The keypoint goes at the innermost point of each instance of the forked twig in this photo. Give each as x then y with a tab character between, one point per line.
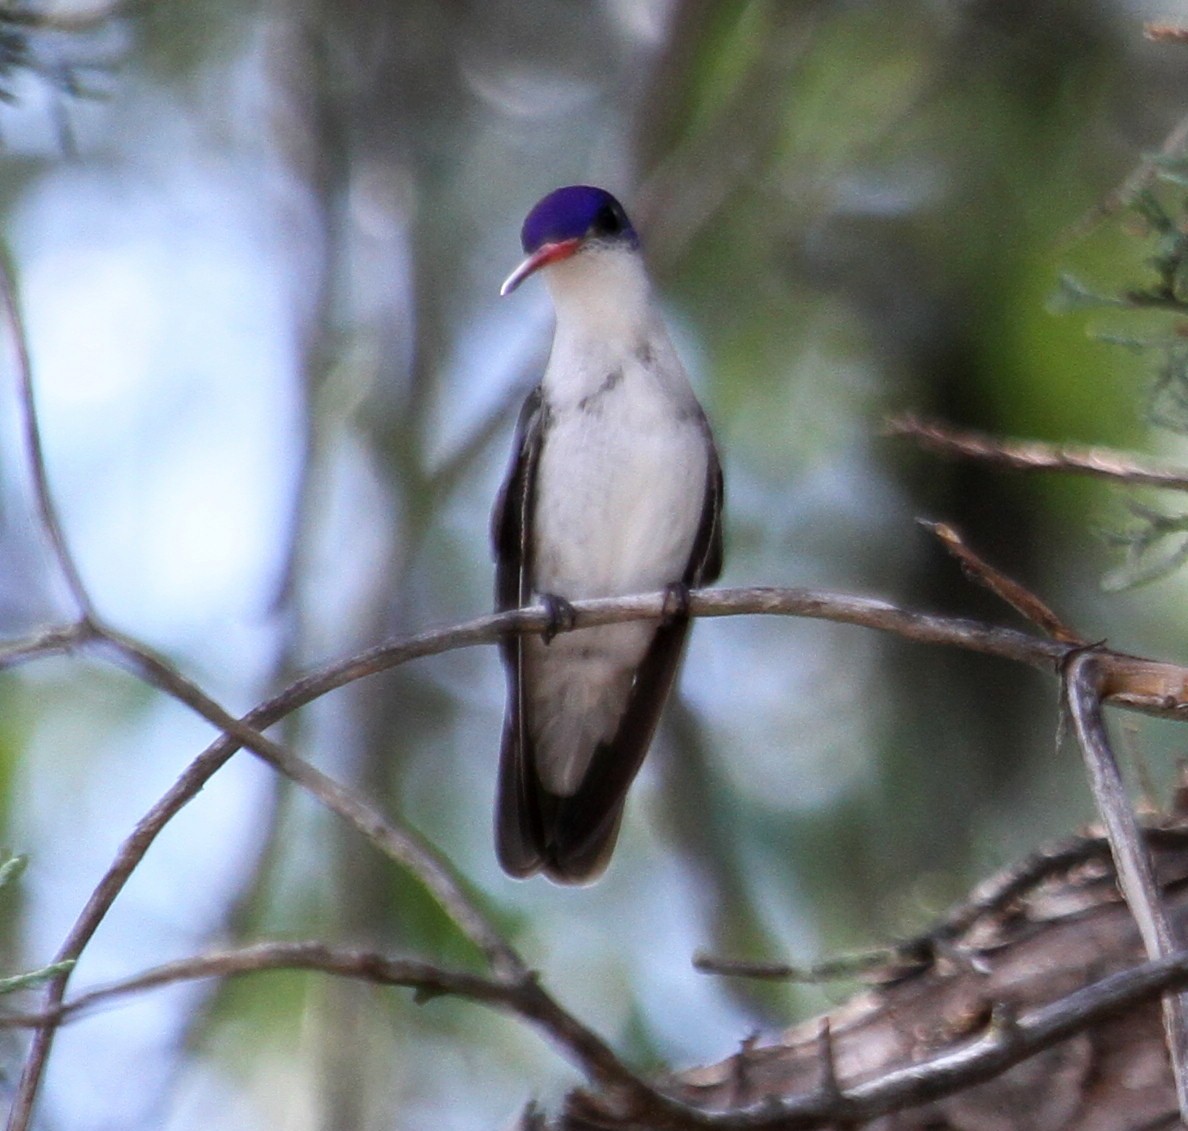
398	843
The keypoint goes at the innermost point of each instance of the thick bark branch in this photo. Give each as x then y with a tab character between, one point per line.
1029	1008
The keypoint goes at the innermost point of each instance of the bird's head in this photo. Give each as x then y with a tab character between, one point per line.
566	222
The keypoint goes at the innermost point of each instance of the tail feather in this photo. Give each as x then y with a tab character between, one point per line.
570	838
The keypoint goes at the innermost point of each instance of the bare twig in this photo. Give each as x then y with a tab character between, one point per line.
45	643
980	1060
47	511
1034	455
830	970
828	1089
50	641
1000	1046
520	995
1021	599
1083	688
369	966
993	896
1139	684
1166	33
400	844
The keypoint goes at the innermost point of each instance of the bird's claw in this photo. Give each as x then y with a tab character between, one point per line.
676	602
561	616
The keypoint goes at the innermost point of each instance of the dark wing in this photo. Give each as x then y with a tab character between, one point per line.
581	830
511	518
577	834
517	821
705	562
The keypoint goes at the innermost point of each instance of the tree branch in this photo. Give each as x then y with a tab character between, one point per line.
47	511
1132	862
520	995
1049	961
1139	684
400	844
1001	1047
1021	599
1004	1042
1034	455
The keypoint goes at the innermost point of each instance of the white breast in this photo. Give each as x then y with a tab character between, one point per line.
620	485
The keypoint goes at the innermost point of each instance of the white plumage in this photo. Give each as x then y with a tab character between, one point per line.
619	495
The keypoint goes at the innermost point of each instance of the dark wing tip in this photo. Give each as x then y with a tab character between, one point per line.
571	839
583	863
534	830
517	825
515	857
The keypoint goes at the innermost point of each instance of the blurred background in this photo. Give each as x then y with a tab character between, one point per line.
259	248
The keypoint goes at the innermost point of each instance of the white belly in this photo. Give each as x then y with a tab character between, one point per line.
619	495
620	487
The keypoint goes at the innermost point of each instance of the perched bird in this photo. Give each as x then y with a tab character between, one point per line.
614	488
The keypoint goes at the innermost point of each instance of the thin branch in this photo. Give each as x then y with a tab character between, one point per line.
521	996
1034	455
50	641
1021	599
1083	685
992	896
1000	1047
834	969
399	844
1129	681
369	966
47	511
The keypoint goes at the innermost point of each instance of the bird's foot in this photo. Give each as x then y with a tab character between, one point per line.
676	603
561	616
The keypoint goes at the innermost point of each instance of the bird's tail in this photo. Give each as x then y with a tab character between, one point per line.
570	838
538	831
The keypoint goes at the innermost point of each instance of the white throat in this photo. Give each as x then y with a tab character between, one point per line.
602	292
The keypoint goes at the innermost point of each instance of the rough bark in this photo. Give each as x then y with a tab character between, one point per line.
1025	939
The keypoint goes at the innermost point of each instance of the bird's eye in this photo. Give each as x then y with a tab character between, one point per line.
608	222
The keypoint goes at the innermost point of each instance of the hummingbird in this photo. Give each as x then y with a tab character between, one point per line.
614	487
